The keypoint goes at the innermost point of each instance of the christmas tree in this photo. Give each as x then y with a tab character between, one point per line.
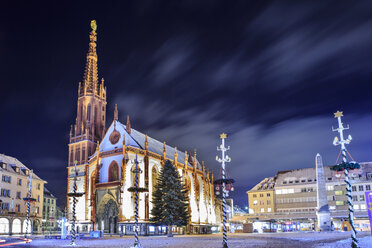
170	201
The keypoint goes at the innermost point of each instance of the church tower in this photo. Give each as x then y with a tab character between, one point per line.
91	109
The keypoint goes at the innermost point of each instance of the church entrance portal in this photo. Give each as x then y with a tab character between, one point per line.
107	217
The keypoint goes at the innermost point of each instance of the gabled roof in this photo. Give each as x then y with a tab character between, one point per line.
137	139
13	163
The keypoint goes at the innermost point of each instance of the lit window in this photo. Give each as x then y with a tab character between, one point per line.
278	191
356	206
330	187
363	206
255	202
285	191
262	210
339	192
290	191
332	207
339	203
268	209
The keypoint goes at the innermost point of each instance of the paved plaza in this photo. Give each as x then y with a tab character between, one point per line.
287	240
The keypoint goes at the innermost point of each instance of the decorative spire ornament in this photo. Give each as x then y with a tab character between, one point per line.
224	159
116	115
127	126
346	167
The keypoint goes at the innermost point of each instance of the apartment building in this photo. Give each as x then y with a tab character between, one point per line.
14	185
295	200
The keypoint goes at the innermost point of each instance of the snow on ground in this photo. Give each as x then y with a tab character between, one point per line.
346	243
267	240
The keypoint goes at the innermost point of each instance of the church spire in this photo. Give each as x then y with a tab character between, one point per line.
116	115
90	81
127	126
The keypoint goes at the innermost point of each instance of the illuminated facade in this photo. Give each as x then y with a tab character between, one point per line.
105	159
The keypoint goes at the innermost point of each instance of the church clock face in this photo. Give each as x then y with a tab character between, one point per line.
114	137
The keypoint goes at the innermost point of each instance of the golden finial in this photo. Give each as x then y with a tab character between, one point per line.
93	25
338	114
223	136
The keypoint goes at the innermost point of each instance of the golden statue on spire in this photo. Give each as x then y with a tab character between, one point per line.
93	25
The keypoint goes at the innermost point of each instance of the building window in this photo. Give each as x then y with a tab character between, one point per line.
268	209
268	202
361	188
356	206
18	207
268	194
255	202
254	195
339	203
48	201
355	198
6	179
19	181
5	192
368	187
353	188
113	172
339	192
261	195
330	187
38	186
18	196
278	191
363	206
361	198
88	113
309	180
38	198
284	182
332	207
262	210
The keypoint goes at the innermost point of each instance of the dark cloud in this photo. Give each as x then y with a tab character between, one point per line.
270	74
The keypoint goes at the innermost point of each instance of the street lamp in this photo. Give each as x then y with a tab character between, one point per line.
136	189
74	196
224	182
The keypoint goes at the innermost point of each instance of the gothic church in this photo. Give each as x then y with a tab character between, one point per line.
105	160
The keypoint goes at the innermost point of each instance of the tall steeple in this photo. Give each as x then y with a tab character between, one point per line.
91	107
90	81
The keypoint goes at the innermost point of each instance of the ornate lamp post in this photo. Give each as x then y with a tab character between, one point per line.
28	201
346	167
136	189
74	196
224	181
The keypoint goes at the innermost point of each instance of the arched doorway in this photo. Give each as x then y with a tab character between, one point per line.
4	225
17	226
35	226
28	227
107	215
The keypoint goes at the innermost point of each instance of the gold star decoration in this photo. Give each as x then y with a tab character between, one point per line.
338	114
223	136
370	206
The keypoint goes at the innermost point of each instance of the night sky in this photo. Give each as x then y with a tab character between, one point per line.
269	74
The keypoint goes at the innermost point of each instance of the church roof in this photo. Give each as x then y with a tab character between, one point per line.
13	163
137	139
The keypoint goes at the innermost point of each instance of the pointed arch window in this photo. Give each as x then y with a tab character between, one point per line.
113	172
154	176
88	113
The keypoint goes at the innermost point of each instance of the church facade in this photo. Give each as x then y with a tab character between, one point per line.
105	159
